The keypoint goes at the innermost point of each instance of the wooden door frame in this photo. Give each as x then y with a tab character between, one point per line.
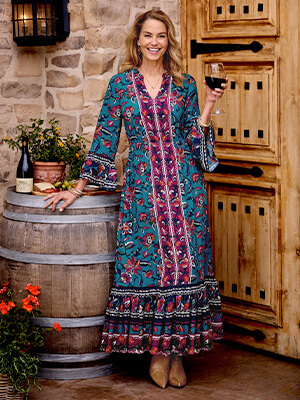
285	48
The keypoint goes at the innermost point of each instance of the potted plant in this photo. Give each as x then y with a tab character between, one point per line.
19	339
46	144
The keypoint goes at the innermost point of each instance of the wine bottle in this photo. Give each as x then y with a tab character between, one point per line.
24	179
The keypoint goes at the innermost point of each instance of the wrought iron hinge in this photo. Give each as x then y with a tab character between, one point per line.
206	48
256	172
257	334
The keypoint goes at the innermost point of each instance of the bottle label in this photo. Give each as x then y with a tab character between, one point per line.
24	185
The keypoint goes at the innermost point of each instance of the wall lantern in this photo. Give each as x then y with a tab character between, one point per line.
40	23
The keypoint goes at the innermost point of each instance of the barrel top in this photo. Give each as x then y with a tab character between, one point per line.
34	201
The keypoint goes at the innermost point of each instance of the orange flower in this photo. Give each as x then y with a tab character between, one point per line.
34	300
10	305
27	307
35	290
4	288
57	327
26	304
3	308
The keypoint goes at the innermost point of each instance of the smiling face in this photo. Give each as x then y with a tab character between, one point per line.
153	41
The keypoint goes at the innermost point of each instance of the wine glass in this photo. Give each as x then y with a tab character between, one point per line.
215	75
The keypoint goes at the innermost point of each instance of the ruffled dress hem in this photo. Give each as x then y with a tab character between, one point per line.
163	320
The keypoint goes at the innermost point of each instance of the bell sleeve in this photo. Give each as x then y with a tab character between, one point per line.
202	145
99	166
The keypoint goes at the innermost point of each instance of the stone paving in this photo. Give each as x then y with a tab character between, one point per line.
227	372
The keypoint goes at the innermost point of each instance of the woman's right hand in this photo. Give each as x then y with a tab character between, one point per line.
55	198
66	195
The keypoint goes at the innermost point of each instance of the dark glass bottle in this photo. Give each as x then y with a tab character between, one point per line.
24	179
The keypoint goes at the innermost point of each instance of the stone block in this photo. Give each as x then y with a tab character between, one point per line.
66	61
71	43
24	112
12	132
141	3
70	100
88	133
94	89
67	123
5	114
104	37
172	8
4	43
98	64
28	63
89	116
4	176
91	13
77	22
61	79
20	90
8	156
5	61
112	14
49	100
5	26
106	13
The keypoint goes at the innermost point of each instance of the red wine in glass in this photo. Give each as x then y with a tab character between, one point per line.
214	77
214	83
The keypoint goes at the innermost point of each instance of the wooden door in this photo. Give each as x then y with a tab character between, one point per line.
255	225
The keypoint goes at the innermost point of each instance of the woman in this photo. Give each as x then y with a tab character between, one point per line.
165	299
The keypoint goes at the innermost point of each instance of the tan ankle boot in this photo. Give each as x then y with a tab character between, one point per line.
159	370
177	375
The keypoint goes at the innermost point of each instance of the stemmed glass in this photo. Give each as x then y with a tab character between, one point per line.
215	75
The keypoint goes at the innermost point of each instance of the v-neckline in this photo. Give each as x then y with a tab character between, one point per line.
142	79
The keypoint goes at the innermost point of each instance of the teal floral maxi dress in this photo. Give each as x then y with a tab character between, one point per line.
165	297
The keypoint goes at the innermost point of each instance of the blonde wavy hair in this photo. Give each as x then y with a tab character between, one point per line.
173	60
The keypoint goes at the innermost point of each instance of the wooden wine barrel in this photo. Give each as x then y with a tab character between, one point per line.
71	256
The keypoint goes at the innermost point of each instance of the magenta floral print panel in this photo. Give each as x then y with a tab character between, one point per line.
165	297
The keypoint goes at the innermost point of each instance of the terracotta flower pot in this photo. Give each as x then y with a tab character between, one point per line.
48	171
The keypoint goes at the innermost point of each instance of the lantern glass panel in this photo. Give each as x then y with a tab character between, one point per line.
46	19
23	19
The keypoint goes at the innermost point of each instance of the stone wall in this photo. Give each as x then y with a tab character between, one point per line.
68	80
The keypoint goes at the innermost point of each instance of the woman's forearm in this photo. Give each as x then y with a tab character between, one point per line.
205	115
82	184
